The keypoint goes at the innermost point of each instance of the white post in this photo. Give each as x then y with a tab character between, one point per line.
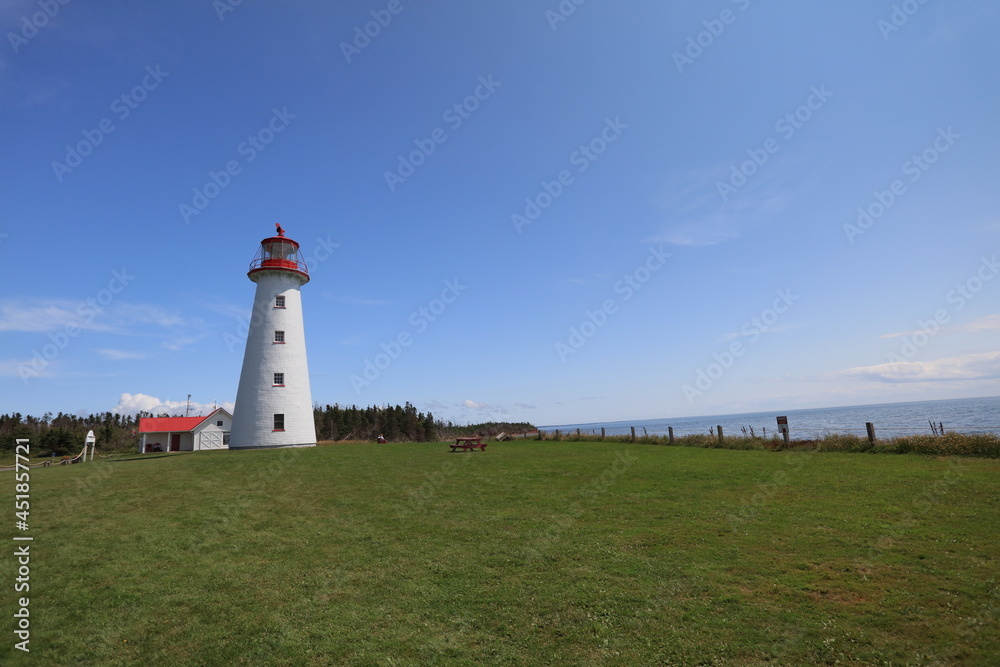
92	441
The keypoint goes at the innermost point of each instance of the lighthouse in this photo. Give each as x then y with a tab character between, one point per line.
274	401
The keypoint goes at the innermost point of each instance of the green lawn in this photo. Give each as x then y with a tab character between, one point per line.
530	553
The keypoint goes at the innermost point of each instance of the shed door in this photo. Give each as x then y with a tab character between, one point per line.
211	440
175	442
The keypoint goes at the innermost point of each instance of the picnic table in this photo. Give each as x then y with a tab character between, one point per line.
469	444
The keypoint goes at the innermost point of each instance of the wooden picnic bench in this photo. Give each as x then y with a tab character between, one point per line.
469	444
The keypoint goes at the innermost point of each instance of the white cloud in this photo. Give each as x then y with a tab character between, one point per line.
701	233
482	412
897	334
16	368
180	341
987	323
42	315
981	366
120	355
51	315
173	330
695	239
700	217
130	404
144	313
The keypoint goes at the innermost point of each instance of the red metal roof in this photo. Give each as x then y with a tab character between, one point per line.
174	424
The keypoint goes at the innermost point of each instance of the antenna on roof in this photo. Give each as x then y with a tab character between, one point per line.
187	411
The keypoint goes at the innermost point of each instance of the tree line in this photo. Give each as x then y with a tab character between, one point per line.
395	423
399	424
63	434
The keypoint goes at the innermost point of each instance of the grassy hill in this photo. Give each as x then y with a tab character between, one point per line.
529	553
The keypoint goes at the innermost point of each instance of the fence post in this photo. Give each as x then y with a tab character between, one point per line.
720	433
602	433
577	434
633	434
670	433
540	432
871	432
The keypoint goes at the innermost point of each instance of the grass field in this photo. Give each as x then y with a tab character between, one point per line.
530	553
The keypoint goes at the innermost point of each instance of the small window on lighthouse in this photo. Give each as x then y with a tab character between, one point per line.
279	422
279	336
279	301
279	379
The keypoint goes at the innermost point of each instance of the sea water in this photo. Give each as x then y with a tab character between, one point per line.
962	415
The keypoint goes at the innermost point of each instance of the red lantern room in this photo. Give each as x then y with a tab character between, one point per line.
279	253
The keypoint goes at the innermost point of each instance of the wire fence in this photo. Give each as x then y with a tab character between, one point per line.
765	432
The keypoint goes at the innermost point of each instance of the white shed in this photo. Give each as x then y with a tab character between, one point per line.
185	434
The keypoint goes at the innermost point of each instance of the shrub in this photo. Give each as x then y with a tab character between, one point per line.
985	445
697	440
840	442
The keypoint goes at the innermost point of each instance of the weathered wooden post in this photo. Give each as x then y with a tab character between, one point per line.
870	427
577	434
602	433
720	433
670	434
557	434
633	434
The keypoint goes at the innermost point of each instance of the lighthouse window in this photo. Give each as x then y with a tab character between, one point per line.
279	379
279	422
279	301
279	336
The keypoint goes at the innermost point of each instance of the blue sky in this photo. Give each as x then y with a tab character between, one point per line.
631	210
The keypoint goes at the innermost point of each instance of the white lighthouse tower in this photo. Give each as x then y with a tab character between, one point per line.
274	401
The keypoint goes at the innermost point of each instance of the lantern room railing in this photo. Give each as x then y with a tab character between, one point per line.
276	263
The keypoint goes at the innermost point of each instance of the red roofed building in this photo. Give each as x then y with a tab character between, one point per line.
185	434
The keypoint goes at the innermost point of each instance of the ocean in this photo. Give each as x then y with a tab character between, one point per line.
962	415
